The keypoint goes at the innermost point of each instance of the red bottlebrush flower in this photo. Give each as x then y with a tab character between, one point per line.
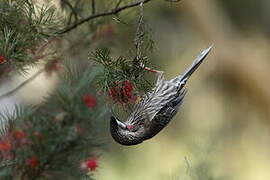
113	91
2	59
122	93
33	162
127	86
90	164
19	135
20	138
89	100
127	94
5	146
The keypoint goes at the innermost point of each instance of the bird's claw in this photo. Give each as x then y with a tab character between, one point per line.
149	69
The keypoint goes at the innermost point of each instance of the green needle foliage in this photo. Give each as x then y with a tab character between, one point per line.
59	134
23	27
119	69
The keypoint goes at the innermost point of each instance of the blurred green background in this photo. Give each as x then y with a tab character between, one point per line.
222	130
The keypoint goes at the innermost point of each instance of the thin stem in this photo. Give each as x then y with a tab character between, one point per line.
93	7
118	4
139	34
73	12
13	91
43	47
9	93
106	13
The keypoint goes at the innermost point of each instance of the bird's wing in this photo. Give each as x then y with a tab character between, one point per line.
164	116
171	107
147	109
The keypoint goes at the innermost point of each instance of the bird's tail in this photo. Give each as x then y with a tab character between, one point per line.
196	63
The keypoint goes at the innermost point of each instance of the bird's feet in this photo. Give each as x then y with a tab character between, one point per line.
149	69
160	74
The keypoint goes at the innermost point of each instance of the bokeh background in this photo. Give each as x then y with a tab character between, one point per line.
222	131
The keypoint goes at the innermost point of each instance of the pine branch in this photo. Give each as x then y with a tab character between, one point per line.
34	76
23	27
93	7
102	14
73	11
119	70
56	122
138	35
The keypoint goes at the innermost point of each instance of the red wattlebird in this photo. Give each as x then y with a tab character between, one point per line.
156	109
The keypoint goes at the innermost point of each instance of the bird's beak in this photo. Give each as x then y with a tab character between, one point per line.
119	123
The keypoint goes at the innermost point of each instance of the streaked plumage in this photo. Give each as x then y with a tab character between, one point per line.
156	109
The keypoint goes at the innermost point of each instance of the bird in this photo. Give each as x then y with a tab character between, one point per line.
157	107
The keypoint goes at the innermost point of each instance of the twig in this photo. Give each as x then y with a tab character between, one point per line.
39	51
76	6
93	7
9	93
42	48
73	12
45	55
107	13
112	12
139	34
13	91
118	4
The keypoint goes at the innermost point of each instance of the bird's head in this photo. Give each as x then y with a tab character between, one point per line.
122	133
117	124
